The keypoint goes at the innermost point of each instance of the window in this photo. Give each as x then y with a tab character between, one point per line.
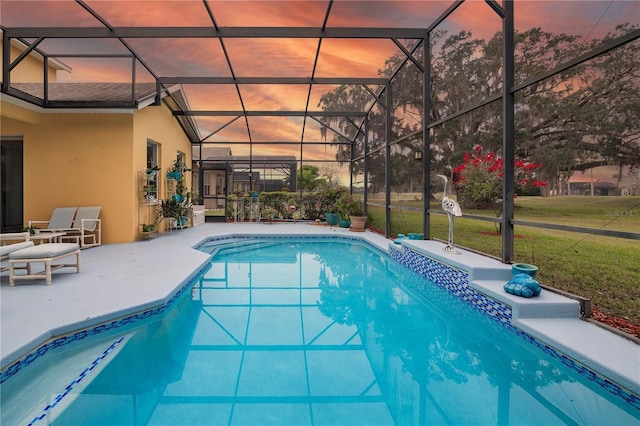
152	154
152	161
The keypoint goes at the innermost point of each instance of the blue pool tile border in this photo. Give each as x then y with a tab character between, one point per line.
455	281
14	368
76	381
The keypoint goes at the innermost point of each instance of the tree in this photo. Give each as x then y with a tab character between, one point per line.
479	179
586	116
308	178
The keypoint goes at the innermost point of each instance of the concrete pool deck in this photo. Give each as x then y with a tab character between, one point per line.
119	279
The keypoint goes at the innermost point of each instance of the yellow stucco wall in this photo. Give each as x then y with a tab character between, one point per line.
79	160
157	124
29	70
86	159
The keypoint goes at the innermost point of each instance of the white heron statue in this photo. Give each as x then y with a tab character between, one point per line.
452	208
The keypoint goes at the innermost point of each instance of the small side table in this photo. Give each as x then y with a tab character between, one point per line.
48	237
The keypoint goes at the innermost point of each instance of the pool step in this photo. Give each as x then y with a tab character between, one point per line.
590	345
547	305
235	245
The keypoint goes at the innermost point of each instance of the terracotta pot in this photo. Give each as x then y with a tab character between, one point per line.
358	223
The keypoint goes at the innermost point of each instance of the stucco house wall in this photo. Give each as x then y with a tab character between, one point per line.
156	124
88	157
29	70
85	159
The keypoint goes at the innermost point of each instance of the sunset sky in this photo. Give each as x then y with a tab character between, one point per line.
280	57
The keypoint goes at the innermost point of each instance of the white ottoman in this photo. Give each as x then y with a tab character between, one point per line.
5	251
45	253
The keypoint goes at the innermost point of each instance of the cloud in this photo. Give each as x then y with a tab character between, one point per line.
269	13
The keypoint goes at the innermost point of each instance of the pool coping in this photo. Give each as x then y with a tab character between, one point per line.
552	319
140	276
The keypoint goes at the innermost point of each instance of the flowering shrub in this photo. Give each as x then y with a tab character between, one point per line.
479	178
347	206
326	200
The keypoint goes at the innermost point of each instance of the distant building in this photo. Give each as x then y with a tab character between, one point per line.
602	181
224	173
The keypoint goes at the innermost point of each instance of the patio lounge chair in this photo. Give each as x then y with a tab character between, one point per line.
18	240
43	253
61	219
86	229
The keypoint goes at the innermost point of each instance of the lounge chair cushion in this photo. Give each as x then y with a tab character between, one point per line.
44	251
10	248
61	218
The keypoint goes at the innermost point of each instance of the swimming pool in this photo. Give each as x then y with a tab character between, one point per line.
292	331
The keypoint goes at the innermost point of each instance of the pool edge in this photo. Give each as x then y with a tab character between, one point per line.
521	323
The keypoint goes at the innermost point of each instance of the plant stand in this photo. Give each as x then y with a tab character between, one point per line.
150	234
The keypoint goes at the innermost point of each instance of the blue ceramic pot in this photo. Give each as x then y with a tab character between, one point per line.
524	268
523	283
332	218
344	223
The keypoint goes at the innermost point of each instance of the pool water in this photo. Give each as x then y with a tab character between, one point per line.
308	332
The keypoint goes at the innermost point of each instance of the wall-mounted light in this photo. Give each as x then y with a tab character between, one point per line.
417	156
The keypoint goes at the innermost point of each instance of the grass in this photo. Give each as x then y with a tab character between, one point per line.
603	269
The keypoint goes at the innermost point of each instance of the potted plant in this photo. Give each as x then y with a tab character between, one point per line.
32	230
148	227
291	206
326	203
176	211
342	210
351	211
181	190
177	169
269	213
170	208
358	217
152	171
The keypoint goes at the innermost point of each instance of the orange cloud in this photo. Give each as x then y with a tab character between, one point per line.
164	13
269	13
272	57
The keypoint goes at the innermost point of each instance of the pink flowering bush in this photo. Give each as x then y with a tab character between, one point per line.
478	179
326	200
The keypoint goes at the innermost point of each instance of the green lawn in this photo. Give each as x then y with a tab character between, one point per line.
603	269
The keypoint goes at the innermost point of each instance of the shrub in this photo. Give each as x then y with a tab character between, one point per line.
478	179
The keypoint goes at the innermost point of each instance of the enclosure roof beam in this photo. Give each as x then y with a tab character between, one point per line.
444	15
493	4
337	132
271	113
294	143
466	110
409	54
271	80
211	32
